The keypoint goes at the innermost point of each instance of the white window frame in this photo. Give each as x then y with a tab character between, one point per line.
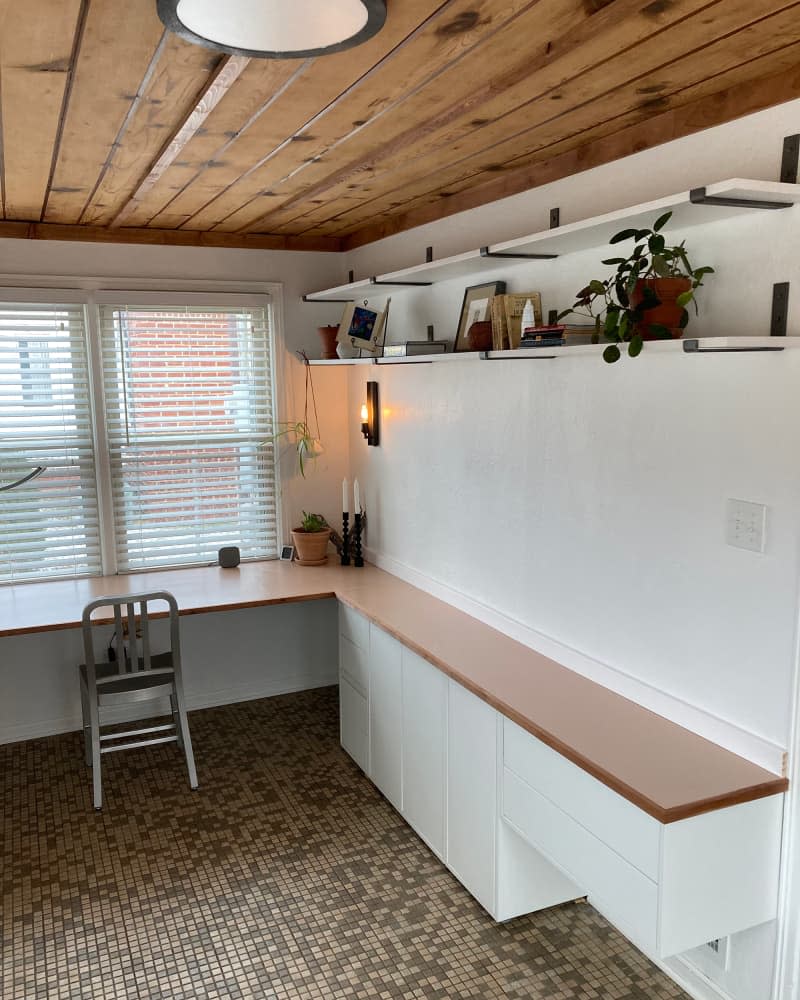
94	292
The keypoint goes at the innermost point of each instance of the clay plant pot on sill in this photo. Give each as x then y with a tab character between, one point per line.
668	314
311	540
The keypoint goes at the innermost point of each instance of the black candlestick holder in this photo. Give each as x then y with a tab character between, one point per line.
345	559
358	559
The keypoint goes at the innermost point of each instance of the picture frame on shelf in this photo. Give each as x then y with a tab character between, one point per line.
475	308
362	327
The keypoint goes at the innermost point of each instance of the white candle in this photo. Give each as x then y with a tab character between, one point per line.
356	498
345	498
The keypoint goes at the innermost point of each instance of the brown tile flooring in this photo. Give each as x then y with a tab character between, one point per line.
286	876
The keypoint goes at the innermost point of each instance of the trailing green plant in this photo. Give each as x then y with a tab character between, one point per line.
306	442
608	301
313	522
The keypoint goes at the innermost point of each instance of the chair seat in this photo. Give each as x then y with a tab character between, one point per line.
136	685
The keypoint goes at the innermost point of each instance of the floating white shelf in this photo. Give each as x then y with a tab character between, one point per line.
689	345
718	201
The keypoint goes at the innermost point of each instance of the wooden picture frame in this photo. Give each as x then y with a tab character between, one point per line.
476	307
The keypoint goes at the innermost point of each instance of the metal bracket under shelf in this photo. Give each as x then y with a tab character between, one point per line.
400	361
421	284
698	196
485	356
693	347
486	252
323	301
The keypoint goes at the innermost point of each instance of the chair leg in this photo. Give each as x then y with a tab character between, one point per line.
186	739
87	735
176	720
97	778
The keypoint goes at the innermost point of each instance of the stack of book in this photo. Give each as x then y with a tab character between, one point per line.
543	336
506	316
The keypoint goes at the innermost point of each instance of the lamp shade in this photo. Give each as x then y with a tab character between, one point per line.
274	29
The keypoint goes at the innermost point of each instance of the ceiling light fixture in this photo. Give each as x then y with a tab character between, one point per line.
274	29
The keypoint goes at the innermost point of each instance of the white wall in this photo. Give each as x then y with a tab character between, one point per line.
581	505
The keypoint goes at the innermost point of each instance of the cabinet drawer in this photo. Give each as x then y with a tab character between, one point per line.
611	818
354	724
354	626
620	891
354	664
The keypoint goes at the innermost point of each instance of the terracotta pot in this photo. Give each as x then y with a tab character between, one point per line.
479	336
667	314
311	546
327	335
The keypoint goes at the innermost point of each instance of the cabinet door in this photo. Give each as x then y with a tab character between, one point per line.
354	723
424	748
385	714
472	792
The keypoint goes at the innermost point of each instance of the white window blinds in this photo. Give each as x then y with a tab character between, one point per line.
48	526
189	418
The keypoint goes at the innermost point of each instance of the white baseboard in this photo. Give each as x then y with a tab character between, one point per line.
267	688
698	720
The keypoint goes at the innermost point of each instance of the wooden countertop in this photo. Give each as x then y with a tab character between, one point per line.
666	770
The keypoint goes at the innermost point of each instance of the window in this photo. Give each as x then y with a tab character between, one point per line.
49	528
182	419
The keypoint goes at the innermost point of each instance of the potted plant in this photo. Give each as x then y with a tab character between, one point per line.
311	540
646	297
306	443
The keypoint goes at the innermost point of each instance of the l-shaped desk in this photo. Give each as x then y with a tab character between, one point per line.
556	731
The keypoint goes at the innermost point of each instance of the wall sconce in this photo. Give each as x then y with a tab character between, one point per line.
370	411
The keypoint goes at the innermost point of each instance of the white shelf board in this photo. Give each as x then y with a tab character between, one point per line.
705	345
582	235
597	231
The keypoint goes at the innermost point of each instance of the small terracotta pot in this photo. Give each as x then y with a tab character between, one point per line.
479	336
311	546
327	335
667	314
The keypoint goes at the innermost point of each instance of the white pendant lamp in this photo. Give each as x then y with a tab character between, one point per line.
274	29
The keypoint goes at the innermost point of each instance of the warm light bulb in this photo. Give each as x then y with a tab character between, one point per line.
364	417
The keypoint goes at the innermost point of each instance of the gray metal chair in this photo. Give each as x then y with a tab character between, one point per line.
127	677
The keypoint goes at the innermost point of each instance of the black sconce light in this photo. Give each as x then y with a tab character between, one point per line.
370	411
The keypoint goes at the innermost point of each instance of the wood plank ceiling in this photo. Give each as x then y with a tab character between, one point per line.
113	129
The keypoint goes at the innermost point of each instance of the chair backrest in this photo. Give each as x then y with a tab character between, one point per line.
134	627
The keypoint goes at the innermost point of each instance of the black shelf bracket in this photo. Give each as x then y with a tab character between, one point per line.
486	252
790	159
428	255
693	347
323	301
555	218
698	196
404	284
780	309
486	356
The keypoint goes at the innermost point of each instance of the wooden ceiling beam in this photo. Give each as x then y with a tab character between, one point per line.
593	98
716	109
116	50
165	237
442	41
227	72
37	48
468	102
238	137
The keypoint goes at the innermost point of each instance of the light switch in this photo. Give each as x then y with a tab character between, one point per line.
746	525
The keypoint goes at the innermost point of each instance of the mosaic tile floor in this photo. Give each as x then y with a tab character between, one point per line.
286	877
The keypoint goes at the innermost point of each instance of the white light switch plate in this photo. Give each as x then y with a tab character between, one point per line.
746	525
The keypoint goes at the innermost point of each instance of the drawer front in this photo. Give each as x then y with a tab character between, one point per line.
612	819
354	664
620	891
354	626
354	724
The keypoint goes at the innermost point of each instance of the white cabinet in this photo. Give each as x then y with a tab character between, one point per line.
354	685
667	886
424	749
385	714
472	792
